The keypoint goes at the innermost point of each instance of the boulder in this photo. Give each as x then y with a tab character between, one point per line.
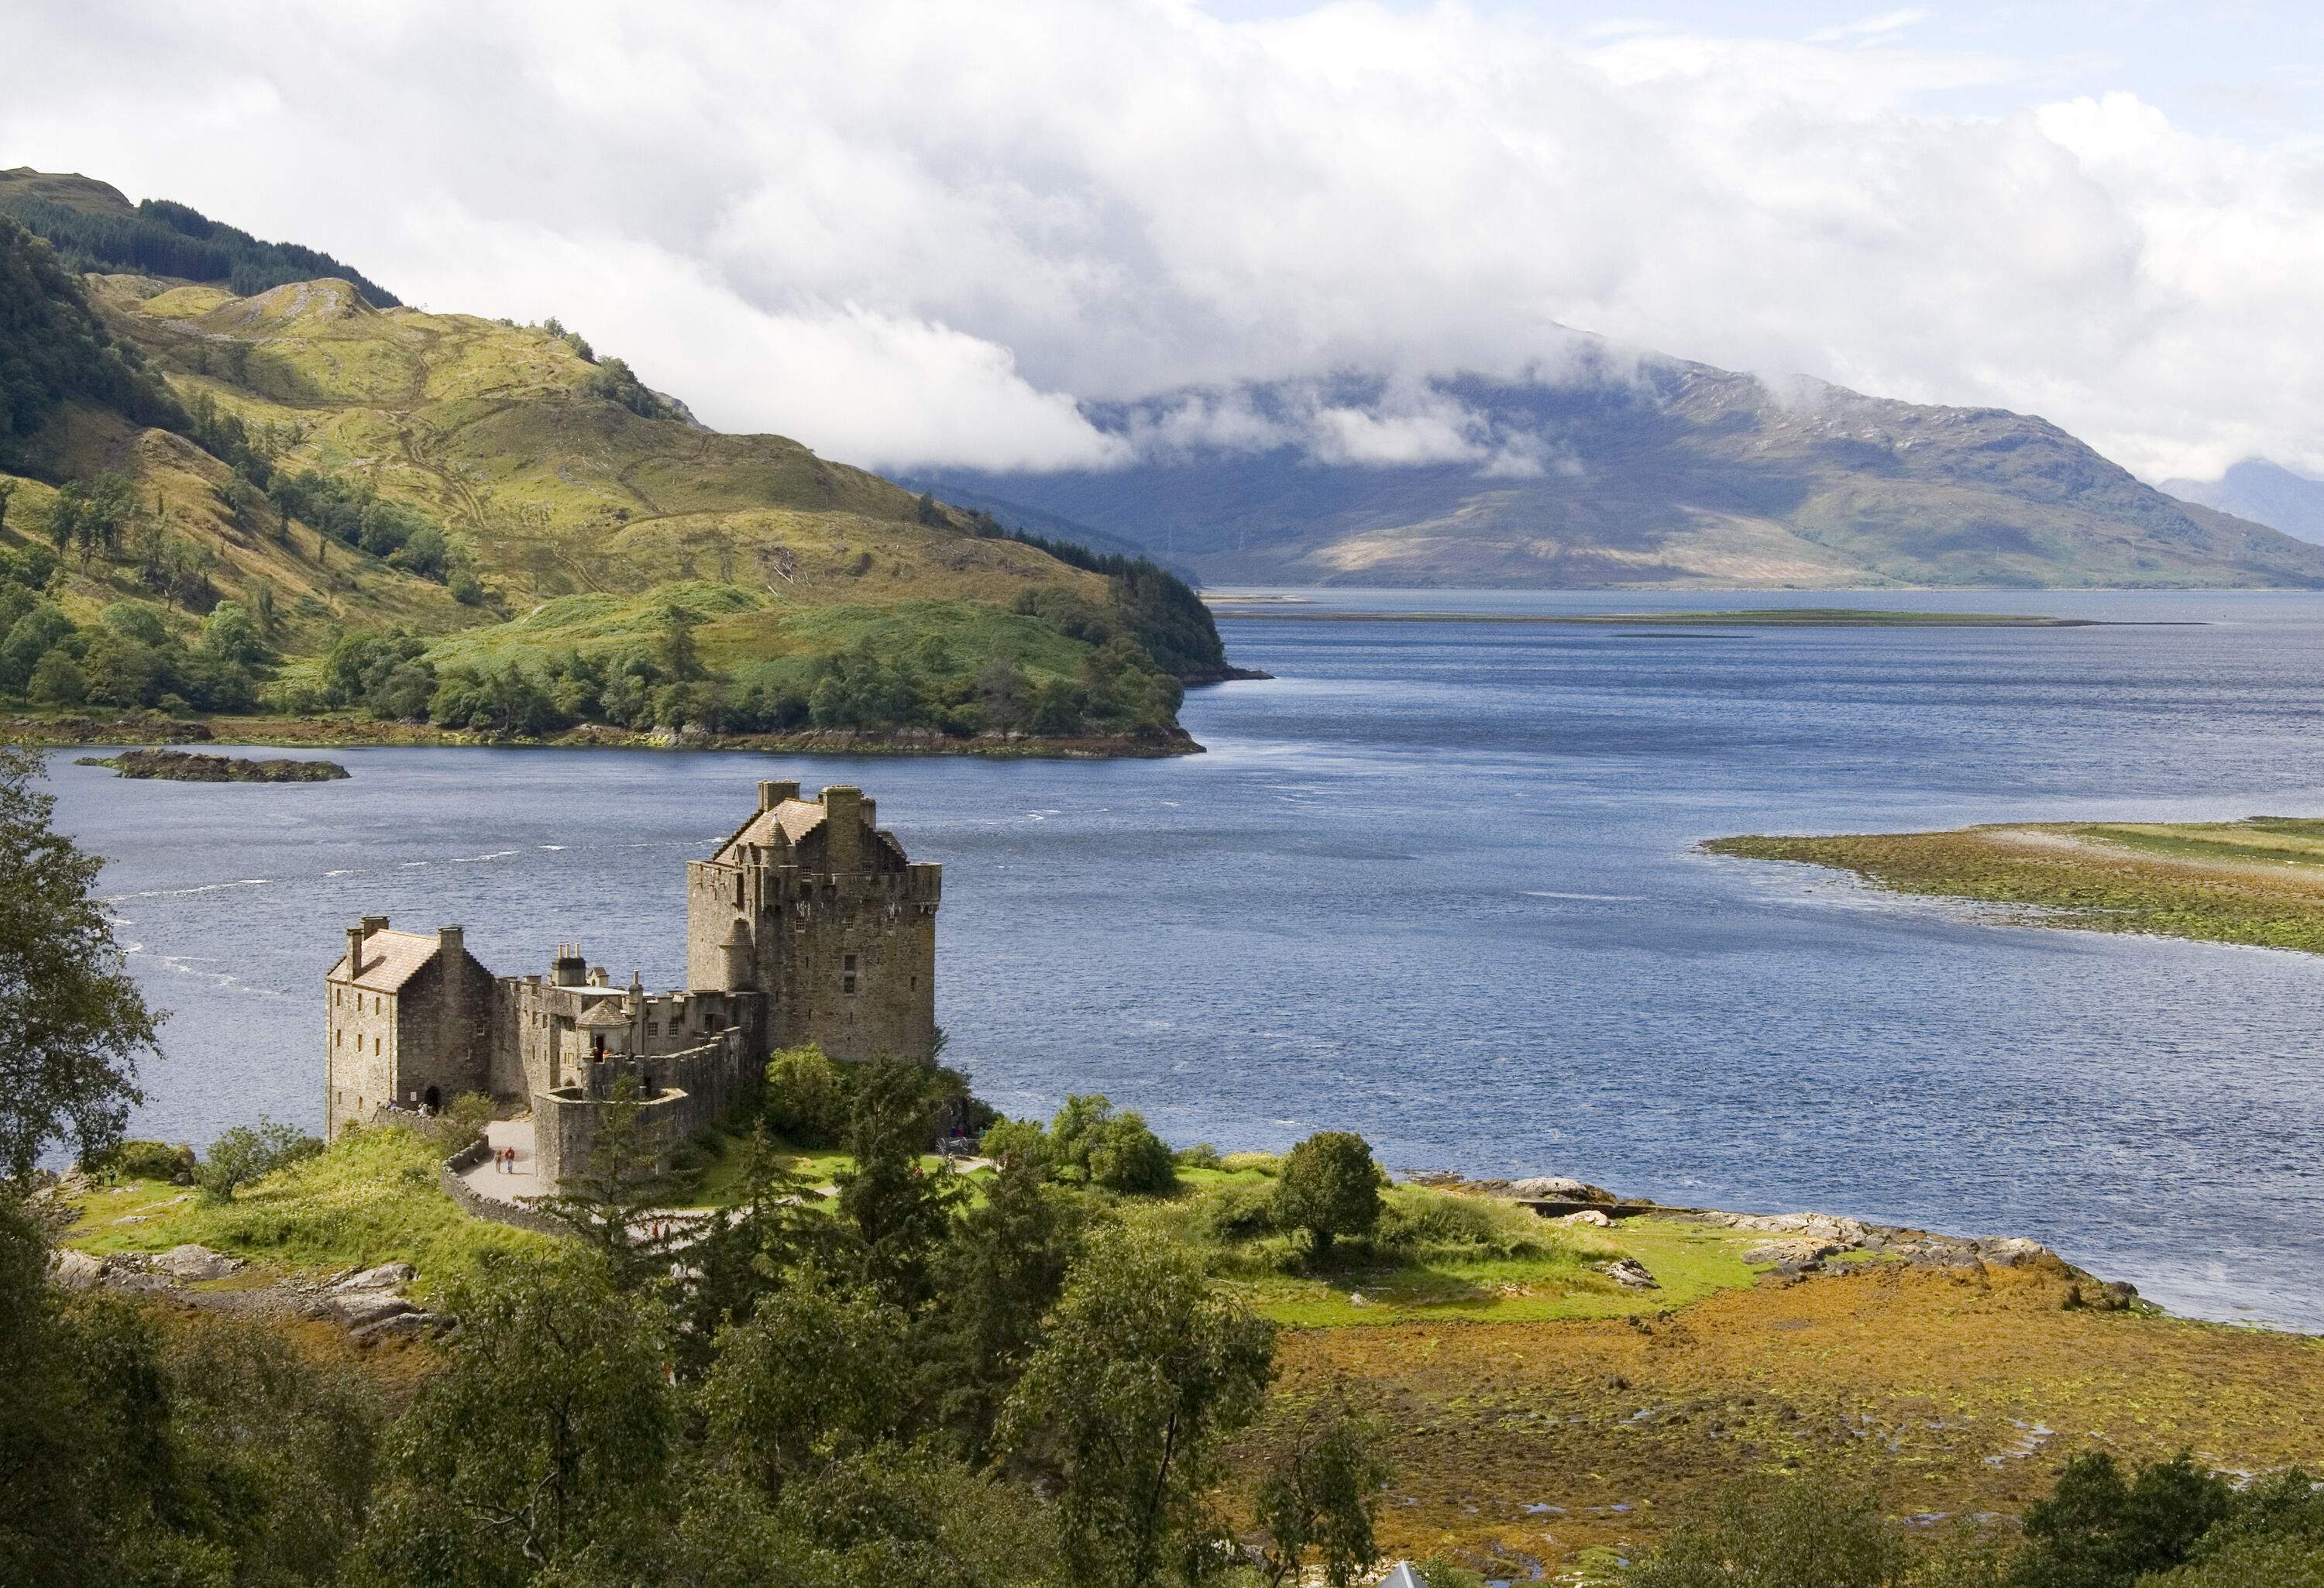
1840	1235
395	1325
387	1276
1799	1251
75	1270
365	1308
187	1263
1587	1216
2011	1251
1557	1188
1629	1273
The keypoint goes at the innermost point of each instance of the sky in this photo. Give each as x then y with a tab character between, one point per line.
924	235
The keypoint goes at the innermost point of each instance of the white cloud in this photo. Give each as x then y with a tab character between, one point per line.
1871	28
906	233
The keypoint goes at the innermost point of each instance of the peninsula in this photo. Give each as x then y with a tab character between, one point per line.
2259	881
1776	617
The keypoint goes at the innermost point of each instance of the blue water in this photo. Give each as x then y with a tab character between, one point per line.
1438	883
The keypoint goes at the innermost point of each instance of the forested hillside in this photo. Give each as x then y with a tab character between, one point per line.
489	527
94	228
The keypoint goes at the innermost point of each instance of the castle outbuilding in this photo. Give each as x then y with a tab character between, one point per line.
809	925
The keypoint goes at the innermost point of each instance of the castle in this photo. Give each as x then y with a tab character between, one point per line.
809	925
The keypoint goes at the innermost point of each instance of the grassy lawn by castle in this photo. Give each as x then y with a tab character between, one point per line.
2257	882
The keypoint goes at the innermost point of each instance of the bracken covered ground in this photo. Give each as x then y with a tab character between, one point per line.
1959	1391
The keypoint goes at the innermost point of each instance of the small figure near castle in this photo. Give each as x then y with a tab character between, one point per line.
810	925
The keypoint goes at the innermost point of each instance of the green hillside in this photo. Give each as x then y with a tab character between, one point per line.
488	529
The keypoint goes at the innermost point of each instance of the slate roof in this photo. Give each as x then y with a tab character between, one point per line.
795	818
390	959
605	1012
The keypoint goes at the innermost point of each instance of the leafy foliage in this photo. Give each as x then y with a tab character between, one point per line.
1805	1533
1329	1186
1144	1371
164	238
75	1021
54	349
2101	1530
252	1152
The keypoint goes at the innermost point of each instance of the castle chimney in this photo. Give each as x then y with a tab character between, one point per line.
374	923
450	941
842	821
569	969
774	794
354	952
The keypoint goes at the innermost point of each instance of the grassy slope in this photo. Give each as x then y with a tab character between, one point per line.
372	1198
489	428
2258	882
584	518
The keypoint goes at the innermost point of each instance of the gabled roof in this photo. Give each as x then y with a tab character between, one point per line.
390	959
605	1012
793	820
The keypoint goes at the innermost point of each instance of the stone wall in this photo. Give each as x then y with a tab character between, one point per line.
443	1031
478	1205
684	1094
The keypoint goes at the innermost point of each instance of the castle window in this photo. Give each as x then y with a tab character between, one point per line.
847	974
375	1047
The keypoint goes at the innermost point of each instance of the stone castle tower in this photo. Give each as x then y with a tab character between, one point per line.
810	925
812	905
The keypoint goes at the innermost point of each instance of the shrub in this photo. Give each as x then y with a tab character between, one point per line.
1127	1156
57	681
1202	1155
2101	1530
460	1124
807	1096
149	1160
1235	1215
1329	1188
1421	1224
1805	1533
252	1152
1017	1141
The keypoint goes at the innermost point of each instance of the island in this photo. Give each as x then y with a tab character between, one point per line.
188	766
2258	882
1286	609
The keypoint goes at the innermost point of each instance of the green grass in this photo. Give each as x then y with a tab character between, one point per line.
371	1198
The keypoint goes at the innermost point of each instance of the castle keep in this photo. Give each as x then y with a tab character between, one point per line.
809	925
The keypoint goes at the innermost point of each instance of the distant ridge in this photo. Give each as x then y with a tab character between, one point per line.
2264	492
93	227
1633	470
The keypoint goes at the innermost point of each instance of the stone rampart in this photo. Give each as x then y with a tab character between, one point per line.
449	1174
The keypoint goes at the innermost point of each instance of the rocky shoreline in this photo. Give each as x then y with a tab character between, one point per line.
1798	1244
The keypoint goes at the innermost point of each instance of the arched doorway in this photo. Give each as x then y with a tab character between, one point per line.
432	1099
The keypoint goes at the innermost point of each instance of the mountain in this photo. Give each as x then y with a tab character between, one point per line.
443	517
2264	492
1646	471
93	227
